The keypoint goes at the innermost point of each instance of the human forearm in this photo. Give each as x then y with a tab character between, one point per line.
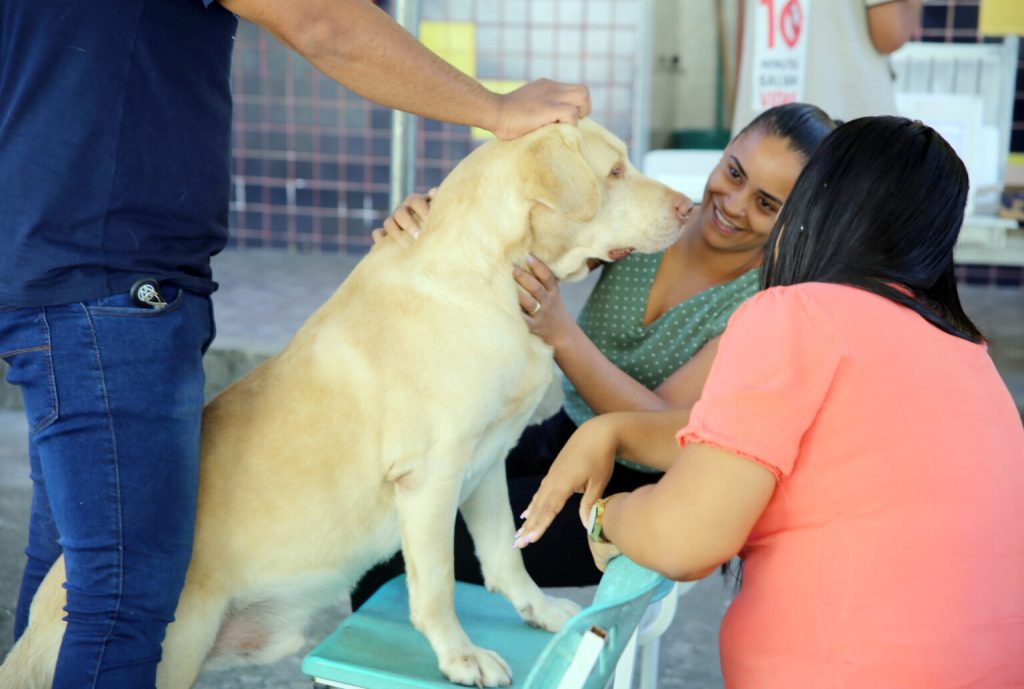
647	438
603	385
361	47
587	459
695	518
633	525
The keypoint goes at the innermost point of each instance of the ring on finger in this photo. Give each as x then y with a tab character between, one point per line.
535	309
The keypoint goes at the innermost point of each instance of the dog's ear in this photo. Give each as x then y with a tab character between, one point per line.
557	176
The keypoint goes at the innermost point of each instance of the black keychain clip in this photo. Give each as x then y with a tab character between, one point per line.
145	293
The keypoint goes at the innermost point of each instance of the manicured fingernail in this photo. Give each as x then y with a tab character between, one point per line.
523	541
519	532
530	258
415	234
525	514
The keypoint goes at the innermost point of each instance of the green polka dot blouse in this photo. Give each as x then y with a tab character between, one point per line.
613	319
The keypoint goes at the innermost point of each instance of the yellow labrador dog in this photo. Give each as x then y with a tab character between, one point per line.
390	409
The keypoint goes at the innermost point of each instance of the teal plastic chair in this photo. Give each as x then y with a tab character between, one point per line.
376	647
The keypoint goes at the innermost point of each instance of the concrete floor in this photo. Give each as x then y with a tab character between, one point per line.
264	297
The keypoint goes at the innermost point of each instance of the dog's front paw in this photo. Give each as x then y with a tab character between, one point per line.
477	667
550	614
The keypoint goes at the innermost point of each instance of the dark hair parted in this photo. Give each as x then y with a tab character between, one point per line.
803	125
878	206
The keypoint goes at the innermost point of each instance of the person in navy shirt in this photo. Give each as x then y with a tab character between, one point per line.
115	119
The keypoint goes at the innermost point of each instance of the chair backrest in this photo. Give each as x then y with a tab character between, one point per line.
620	601
685	170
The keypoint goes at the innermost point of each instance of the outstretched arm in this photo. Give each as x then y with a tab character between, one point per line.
695	518
698	516
364	49
585	464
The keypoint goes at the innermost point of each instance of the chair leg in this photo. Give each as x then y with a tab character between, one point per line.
650	656
654	623
627	662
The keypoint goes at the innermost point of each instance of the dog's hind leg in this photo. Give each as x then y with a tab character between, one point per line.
427	502
31	662
489	520
190	637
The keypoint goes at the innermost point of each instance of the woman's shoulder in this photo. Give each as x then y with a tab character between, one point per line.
816	296
803	296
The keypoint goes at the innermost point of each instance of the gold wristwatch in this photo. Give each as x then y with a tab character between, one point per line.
595	524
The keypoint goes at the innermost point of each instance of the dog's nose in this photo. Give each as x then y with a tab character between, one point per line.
683	205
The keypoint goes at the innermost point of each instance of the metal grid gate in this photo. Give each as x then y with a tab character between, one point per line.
312	160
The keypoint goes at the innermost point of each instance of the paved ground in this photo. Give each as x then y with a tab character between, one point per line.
265	296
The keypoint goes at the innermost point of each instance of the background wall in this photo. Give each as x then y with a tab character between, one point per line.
311	159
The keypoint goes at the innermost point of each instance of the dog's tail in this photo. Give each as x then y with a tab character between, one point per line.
31	662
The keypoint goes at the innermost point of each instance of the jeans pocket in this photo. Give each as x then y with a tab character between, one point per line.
30	367
121	304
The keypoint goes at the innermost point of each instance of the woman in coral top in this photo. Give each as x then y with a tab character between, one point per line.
854	445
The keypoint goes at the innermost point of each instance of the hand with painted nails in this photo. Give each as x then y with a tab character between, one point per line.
405	222
583	466
541	301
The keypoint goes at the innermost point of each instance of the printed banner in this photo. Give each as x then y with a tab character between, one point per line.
780	50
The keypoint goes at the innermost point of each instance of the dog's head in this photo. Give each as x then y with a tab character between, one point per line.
588	202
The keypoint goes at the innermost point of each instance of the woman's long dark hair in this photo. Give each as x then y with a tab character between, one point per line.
878	206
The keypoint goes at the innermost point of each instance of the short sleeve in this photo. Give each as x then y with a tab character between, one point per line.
775	365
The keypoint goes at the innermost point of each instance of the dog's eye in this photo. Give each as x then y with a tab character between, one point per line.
617	172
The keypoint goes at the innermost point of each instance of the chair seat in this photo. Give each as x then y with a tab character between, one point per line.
378	648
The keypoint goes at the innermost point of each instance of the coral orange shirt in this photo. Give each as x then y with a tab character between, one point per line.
892	551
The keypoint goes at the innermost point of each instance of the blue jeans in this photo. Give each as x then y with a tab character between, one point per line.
113	396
